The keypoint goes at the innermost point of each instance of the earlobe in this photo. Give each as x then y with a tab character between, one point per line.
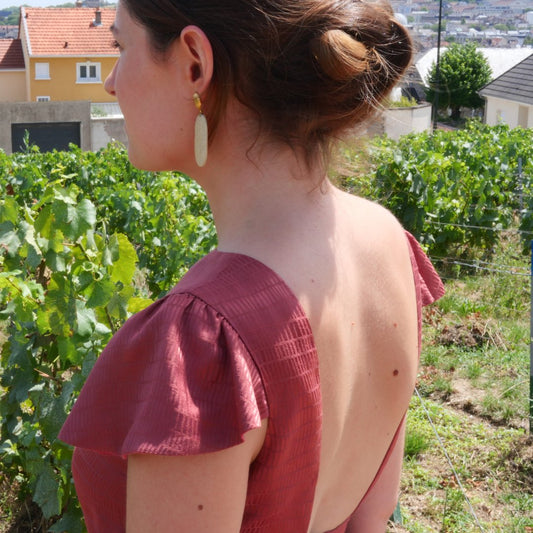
198	51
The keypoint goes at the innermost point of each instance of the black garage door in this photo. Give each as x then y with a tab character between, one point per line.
46	135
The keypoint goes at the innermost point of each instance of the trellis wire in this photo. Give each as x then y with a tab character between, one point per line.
486	228
496	268
493	267
490	267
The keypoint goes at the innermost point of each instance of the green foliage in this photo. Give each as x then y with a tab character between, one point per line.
10	16
416	443
462	72
451	189
404	101
85	241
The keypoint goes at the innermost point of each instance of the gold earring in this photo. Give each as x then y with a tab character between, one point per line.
200	133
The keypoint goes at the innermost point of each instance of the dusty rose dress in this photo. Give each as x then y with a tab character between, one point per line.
228	346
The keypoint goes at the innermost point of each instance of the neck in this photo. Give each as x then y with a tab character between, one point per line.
260	198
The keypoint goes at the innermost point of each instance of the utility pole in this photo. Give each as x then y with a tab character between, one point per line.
437	70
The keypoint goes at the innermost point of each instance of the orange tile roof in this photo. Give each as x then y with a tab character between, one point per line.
68	31
11	56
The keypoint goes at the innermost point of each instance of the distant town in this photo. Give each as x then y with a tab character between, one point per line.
491	23
9	16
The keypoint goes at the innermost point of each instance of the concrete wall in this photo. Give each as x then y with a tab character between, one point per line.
398	121
107	129
514	114
12	85
30	112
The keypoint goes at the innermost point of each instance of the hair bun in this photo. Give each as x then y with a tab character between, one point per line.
339	55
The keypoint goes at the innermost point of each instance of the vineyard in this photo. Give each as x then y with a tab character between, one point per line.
86	240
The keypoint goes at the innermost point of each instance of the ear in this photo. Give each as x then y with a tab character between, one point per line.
198	55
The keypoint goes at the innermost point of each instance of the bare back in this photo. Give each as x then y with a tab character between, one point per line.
356	287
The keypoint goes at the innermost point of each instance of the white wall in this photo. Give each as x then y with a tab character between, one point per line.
400	121
498	110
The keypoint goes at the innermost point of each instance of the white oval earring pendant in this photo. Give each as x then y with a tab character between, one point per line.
200	139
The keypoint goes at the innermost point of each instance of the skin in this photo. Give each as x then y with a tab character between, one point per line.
325	244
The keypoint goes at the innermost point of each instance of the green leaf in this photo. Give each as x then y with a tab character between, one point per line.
61	304
8	448
138	304
100	293
32	254
44	221
124	265
70	522
86	213
56	261
51	412
63	196
118	305
33	461
42	321
85	320
9	240
48	492
68	351
9	210
75	220
113	249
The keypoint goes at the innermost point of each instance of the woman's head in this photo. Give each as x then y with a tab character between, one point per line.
308	69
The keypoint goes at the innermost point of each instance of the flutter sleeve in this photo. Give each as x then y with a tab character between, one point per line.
428	283
175	380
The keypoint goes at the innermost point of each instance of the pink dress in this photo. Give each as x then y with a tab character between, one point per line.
227	347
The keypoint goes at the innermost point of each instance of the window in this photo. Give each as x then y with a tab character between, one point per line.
42	71
43	99
88	72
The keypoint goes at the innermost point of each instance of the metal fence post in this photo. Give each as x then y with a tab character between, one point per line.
531	347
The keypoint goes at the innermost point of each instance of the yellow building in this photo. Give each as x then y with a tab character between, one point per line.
68	53
12	71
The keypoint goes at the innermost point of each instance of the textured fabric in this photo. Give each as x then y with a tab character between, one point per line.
228	347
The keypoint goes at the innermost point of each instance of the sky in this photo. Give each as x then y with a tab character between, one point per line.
31	3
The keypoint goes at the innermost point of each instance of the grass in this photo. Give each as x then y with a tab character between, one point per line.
474	383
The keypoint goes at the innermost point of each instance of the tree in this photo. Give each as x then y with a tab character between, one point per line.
462	72
10	16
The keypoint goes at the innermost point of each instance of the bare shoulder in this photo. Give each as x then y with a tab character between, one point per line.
374	228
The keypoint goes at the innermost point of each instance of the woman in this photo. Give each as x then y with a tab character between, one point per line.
267	391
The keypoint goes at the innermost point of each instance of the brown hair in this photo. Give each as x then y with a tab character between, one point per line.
309	69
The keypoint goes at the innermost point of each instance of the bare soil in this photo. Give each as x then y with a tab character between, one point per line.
485	485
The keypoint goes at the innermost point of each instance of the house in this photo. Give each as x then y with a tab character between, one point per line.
8	31
509	98
52	80
68	53
12	71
